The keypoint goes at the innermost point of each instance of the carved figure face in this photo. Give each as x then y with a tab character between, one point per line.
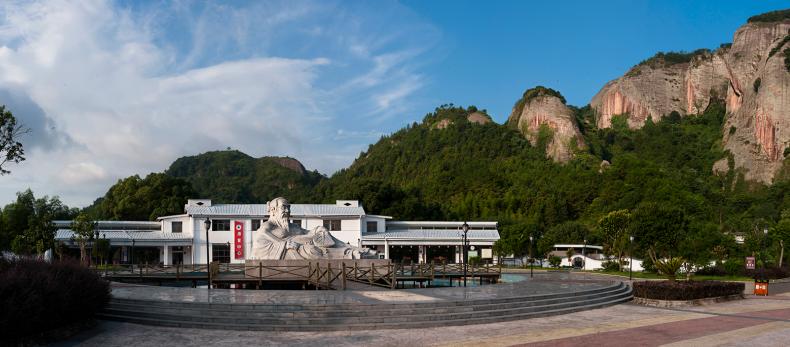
280	209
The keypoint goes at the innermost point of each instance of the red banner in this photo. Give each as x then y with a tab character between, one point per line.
238	239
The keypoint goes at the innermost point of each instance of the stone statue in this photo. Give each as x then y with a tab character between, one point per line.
279	239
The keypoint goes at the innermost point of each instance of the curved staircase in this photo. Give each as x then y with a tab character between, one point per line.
294	317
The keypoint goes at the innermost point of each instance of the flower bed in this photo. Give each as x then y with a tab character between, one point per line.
38	296
686	290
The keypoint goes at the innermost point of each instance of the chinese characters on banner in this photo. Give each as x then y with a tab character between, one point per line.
238	239
750	263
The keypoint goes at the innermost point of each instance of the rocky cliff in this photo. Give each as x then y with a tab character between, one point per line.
539	107
657	87
757	129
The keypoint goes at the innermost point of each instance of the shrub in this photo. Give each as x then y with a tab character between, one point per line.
711	271
38	296
775	272
475	260
610	265
734	266
685	290
555	261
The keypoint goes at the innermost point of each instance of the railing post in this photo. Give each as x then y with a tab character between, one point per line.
394	284
343	273
141	274
355	271
372	272
444	267
432	270
146	267
328	273
309	271
317	274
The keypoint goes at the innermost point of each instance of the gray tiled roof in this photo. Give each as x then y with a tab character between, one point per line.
260	210
65	234
434	234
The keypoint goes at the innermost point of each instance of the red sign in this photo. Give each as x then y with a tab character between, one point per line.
750	263
238	239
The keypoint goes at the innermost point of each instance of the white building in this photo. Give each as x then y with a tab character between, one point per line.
182	238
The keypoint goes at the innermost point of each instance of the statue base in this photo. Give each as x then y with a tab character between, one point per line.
297	270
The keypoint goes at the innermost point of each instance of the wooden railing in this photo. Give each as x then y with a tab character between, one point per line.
320	275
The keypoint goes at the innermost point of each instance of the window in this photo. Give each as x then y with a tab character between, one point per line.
220	252
332	224
297	222
220	225
256	224
176	227
373	226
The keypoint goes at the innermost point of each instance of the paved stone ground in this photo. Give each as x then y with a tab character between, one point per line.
756	321
750	322
520	285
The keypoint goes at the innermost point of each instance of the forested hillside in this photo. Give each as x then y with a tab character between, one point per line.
234	177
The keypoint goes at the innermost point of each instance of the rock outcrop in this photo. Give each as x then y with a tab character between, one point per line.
551	111
757	128
292	164
656	91
759	120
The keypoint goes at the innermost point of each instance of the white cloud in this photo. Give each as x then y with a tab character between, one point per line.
120	92
81	173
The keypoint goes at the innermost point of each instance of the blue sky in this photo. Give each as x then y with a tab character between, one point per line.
113	89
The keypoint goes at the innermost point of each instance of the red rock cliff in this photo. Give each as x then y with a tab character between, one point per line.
549	110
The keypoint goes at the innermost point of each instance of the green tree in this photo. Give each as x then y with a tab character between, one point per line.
782	234
156	195
614	227
41	233
545	246
11	150
102	248
555	261
83	228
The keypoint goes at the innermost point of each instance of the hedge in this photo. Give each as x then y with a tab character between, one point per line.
38	296
686	290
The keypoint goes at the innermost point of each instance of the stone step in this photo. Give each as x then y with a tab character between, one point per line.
582	306
425	318
354	307
114	307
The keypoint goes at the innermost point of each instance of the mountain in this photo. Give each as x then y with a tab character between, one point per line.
750	74
542	116
234	177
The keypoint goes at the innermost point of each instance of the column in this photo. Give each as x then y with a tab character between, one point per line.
168	255
386	249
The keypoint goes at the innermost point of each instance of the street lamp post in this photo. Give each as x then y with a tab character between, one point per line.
465	228
584	255
631	262
207	224
765	236
131	259
531	261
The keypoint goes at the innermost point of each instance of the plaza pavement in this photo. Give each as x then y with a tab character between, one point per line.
756	321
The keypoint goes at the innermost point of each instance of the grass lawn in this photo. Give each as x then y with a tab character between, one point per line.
679	276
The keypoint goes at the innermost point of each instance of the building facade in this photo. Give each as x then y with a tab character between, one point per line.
183	238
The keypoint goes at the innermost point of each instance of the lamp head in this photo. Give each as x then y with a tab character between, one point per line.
765	230
465	227
632	237
531	238
585	240
207	223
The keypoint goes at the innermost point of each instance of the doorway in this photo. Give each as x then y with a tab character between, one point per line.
178	257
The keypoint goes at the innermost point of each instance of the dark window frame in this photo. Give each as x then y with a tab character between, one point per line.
220	252
256	224
331	224
220	225
180	227
375	224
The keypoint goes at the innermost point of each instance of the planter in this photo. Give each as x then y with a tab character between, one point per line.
51	336
685	303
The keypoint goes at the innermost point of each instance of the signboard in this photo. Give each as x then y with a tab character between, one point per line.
750	263
75	244
238	239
